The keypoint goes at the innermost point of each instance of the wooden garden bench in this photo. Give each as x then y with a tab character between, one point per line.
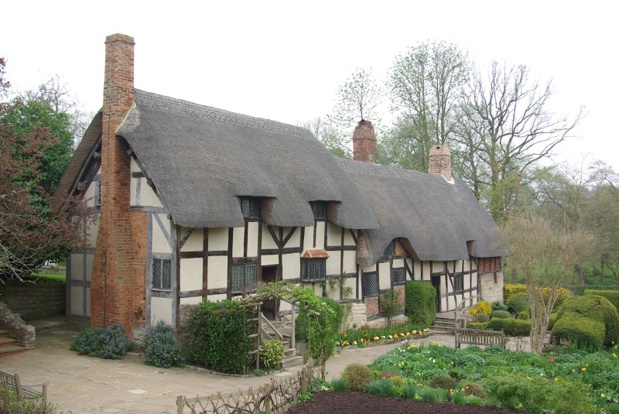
10	382
477	337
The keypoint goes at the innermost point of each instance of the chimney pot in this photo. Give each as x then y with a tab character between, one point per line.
440	161
364	142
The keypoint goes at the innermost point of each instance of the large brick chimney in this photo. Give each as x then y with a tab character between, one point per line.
364	142
440	161
113	279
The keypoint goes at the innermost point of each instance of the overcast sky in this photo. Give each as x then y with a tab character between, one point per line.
284	60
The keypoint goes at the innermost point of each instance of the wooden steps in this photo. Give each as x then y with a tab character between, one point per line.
444	325
8	346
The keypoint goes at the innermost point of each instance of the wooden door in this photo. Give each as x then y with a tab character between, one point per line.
270	308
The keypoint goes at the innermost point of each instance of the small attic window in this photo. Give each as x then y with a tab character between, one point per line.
319	208
250	207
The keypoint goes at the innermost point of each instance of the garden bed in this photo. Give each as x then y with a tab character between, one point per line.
327	402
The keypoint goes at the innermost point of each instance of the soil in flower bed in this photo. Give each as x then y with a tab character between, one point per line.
329	402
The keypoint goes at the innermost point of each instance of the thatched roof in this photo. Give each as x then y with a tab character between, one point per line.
441	220
202	159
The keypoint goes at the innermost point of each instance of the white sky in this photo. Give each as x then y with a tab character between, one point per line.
284	60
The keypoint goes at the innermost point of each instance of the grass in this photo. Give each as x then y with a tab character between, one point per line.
53	278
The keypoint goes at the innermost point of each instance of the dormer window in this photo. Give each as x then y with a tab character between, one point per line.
319	208
250	207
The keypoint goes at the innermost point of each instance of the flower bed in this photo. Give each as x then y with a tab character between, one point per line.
367	336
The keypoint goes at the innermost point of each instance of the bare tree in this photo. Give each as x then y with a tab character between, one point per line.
544	254
508	112
327	134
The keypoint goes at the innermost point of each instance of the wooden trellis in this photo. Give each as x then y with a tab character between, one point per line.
273	397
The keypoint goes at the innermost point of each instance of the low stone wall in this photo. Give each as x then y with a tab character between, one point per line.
35	300
17	328
492	286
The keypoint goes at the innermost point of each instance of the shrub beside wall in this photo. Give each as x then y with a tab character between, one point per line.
420	302
511	327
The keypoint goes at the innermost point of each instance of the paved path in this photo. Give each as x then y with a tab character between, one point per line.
80	384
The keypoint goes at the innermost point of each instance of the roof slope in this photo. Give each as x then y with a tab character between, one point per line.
438	218
201	159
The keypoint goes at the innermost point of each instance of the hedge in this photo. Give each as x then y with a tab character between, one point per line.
301	328
519	302
511	327
501	314
597	308
420	302
611	295
584	332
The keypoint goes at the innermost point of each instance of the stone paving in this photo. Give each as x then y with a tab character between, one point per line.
81	384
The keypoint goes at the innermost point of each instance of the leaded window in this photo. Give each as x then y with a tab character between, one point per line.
250	207
370	285
244	278
162	274
399	276
313	270
319	208
458	283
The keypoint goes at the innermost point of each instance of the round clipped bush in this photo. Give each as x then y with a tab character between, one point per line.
511	327
498	306
357	377
444	382
524	315
519	302
482	317
597	308
161	348
611	295
271	353
582	332
501	314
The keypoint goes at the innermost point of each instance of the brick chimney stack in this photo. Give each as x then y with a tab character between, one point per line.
440	161
364	142
113	280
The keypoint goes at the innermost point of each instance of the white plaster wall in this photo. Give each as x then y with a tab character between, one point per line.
191	274
351	283
320	234
368	269
291	266
217	272
269	260
191	301
160	310
134	166
348	239
308	239
217	239
350	262
252	238
267	239
333	263
90	264
238	236
160	244
398	262
334	234
284	306
147	195
216	298
77	301
89	195
295	239
194	242
92	230
77	266
384	276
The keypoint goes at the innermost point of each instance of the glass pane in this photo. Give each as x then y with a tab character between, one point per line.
157	273
166	276
238	276
370	285
250	278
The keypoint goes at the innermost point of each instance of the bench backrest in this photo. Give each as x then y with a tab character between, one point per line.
10	382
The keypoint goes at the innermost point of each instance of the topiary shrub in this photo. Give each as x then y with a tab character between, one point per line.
420	302
511	289
161	348
271	353
301	327
597	308
511	327
524	315
390	304
107	343
357	377
218	336
482	317
498	306
611	295
478	325
519	302
444	382
501	314
584	333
